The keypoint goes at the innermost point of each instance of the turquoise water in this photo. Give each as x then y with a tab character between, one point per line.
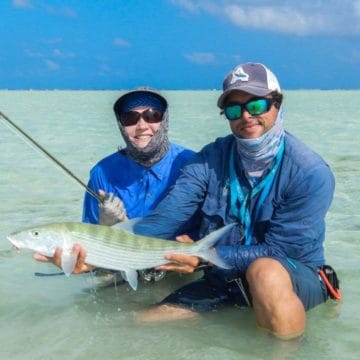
59	317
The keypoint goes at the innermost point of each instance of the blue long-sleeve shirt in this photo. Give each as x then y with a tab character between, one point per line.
290	223
139	187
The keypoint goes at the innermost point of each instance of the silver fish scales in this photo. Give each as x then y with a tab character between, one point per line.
112	247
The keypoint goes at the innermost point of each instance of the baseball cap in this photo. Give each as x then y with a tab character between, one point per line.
252	78
140	96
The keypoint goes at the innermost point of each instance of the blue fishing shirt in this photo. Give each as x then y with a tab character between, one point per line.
139	187
290	223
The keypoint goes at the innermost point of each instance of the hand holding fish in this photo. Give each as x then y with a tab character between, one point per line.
78	253
181	263
111	210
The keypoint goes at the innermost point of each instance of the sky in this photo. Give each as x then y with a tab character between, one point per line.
177	44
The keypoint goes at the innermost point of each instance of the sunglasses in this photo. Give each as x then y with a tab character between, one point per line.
253	107
150	115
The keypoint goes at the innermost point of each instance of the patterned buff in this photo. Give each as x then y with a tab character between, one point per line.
159	144
257	154
142	98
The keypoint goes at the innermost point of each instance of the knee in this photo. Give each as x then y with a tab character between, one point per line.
266	272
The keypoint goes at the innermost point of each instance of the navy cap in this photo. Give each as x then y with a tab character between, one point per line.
141	96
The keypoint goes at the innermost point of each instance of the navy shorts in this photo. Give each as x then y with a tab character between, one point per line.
211	291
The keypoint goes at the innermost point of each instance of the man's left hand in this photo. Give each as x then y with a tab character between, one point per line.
181	263
78	251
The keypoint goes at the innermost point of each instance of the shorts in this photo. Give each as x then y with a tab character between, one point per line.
212	291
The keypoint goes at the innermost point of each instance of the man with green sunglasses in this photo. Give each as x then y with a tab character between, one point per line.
275	189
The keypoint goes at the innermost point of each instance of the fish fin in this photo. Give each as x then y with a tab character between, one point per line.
211	239
131	276
68	261
212	256
205	244
127	225
123	274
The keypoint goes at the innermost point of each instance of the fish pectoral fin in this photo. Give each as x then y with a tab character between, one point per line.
68	261
131	276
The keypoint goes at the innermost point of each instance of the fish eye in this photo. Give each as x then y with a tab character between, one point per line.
35	233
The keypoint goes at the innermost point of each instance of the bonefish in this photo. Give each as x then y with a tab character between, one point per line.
112	247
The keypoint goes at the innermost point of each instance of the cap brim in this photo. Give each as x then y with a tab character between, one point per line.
119	102
248	89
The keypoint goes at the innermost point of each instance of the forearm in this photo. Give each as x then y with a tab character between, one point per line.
164	221
239	257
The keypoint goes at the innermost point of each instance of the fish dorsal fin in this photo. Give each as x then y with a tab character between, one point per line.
127	225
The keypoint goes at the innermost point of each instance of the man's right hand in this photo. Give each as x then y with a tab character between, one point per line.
79	253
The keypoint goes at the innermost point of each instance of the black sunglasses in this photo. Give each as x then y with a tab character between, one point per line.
256	106
150	115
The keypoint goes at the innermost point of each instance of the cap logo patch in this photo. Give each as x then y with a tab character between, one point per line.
239	74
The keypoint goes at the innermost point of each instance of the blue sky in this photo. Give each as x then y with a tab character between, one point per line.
177	44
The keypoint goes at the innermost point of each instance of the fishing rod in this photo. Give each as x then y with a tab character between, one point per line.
21	132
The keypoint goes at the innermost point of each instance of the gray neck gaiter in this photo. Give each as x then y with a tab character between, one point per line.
152	152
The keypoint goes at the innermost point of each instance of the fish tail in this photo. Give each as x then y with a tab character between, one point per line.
204	247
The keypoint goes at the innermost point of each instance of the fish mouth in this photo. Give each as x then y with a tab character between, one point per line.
13	242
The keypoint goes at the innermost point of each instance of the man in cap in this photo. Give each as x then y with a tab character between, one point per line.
275	189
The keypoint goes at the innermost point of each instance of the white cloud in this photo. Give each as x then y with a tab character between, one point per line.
22	4
63	11
286	20
306	17
60	11
51	65
121	42
64	55
55	53
200	58
193	6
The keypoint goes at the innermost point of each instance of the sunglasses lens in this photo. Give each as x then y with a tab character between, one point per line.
253	107
129	118
150	115
258	107
233	112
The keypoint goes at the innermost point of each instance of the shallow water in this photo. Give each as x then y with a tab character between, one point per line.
58	317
